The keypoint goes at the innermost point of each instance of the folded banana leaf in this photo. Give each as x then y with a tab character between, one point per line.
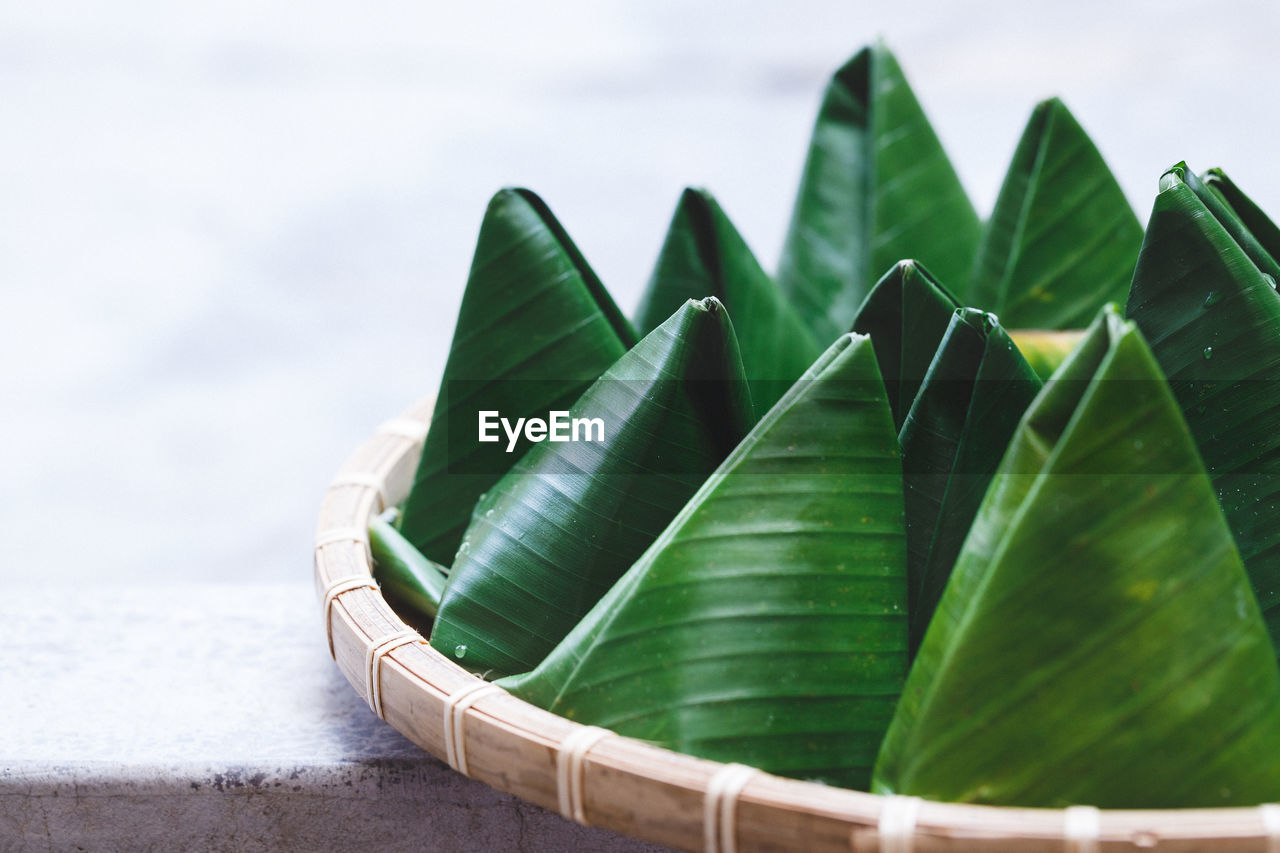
1216	203
409	579
536	327
952	442
1062	240
1213	319
550	538
906	315
1258	223
877	187
704	255
767	625
1098	642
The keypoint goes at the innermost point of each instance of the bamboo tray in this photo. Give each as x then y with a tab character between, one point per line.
645	791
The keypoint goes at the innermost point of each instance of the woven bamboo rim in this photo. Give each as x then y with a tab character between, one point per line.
645	791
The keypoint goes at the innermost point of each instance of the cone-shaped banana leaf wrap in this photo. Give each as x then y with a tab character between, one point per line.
1258	223
1213	319
536	327
550	538
1062	240
413	582
704	255
877	187
906	315
767	624
1098	642
1216	203
952	440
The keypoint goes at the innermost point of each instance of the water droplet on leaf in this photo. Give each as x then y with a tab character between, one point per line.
460	651
1208	353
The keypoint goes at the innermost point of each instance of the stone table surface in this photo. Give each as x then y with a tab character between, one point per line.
210	717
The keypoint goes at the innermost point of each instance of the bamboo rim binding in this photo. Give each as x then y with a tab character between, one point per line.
720	804
650	792
571	755
373	665
455	721
330	598
897	826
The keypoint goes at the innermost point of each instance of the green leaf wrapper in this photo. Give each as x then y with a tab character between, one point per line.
953	439
767	624
536	327
1213	319
906	315
1062	240
704	255
877	187
550	538
1098	641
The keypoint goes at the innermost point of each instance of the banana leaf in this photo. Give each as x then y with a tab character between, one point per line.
952	441
877	187
906	315
1216	203
1098	642
1213	319
767	623
536	327
550	538
1046	349
411	580
704	255
1062	240
1258	223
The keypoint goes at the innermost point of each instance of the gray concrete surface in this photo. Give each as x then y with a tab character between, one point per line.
209	717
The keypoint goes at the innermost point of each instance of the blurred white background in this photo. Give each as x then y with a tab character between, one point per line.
234	235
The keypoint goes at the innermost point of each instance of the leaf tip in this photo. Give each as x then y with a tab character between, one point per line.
1051	104
1174	176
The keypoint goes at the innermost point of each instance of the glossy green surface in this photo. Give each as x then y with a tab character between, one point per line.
876	188
952	440
767	625
1213	319
1258	223
535	328
550	538
1062	240
1098	642
704	255
1215	201
906	315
